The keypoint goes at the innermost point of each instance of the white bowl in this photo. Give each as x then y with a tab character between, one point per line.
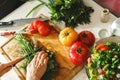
115	27
109	39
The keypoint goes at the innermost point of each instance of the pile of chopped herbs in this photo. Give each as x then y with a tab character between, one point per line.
27	48
105	65
72	12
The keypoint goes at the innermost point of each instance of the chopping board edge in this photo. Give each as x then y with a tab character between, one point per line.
20	75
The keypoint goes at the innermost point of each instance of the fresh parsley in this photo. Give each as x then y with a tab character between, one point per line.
72	12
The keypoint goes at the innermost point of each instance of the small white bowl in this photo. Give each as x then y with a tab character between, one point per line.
115	27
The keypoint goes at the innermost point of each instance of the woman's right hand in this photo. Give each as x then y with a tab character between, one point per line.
37	67
5	67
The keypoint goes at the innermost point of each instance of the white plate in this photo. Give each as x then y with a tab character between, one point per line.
109	39
115	39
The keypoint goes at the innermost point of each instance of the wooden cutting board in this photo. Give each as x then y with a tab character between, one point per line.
66	69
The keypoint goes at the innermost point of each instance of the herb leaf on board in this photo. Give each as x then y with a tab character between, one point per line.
27	48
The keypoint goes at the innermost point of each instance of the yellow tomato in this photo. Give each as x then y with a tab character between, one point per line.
68	36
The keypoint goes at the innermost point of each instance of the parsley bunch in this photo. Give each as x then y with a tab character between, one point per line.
72	12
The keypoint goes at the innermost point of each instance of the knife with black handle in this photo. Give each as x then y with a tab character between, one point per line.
18	23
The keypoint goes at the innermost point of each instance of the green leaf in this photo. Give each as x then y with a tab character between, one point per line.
27	48
72	12
33	9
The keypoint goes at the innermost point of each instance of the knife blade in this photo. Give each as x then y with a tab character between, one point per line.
18	23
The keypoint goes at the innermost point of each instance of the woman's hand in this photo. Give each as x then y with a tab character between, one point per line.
37	67
5	67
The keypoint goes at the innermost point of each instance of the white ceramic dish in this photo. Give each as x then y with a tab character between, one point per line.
115	39
109	39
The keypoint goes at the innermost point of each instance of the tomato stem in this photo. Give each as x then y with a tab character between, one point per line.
67	33
78	50
84	35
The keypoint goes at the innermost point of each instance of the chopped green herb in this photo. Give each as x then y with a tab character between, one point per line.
27	48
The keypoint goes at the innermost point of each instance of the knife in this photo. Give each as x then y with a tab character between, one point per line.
6	33
28	55
18	23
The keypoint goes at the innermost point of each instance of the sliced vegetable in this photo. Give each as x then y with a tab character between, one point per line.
102	47
105	62
44	30
31	28
39	26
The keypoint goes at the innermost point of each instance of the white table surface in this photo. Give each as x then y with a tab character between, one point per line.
95	26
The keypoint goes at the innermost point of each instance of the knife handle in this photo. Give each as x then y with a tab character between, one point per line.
6	33
6	23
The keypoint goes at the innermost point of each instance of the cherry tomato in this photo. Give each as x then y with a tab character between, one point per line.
68	36
102	47
37	24
98	47
103	72
44	30
31	28
78	53
86	37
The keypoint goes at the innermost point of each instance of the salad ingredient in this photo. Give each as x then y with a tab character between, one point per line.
89	59
105	62
27	48
68	36
73	12
39	26
87	38
102	47
44	30
31	28
78	53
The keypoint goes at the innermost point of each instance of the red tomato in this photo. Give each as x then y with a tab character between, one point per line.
103	72
78	53
98	47
102	47
37	24
31	28
44	30
86	37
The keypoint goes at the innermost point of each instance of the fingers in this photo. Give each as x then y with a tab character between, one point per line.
38	65
42	56
5	70
34	61
45	61
39	58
